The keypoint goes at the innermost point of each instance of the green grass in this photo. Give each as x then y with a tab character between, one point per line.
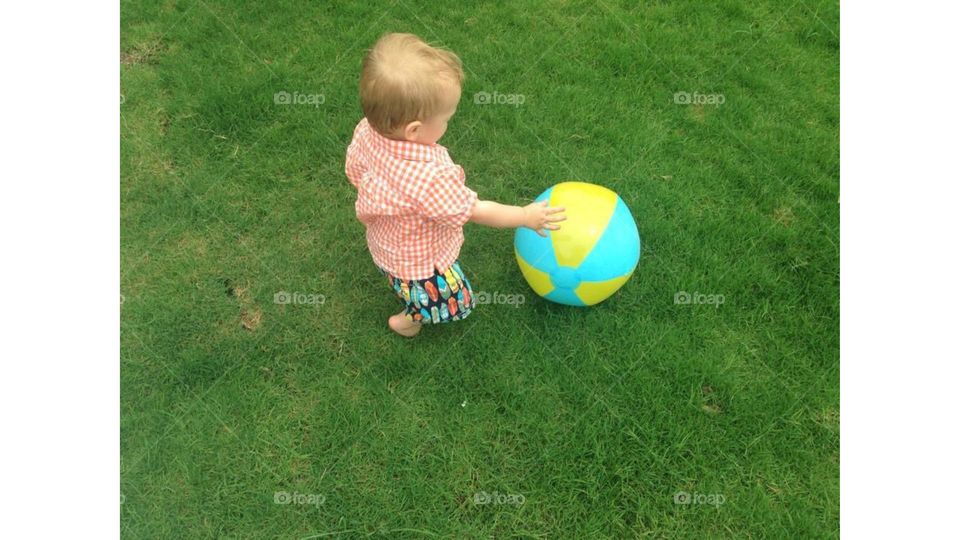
596	417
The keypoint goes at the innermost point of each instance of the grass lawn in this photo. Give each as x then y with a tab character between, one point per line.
247	418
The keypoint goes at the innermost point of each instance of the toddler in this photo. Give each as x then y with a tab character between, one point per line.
411	196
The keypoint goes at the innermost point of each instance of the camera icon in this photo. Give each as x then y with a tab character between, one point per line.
681	497
682	98
481	497
682	297
281	497
482	98
282	98
482	298
282	297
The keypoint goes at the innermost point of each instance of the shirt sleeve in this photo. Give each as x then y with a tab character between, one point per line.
354	166
446	199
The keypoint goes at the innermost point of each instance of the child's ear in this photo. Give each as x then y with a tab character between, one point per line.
412	130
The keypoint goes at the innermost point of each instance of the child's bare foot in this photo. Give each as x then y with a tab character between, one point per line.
400	324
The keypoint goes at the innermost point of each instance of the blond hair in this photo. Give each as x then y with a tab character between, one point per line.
404	79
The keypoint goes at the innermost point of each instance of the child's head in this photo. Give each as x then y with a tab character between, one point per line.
408	89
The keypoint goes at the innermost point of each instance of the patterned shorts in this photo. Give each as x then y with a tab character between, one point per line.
446	296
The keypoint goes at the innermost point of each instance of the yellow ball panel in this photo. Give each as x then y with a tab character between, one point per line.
594	292
588	210
539	281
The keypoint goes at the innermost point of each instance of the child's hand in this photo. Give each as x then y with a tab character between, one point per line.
541	218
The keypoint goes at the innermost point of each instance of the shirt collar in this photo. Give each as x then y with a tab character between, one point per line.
412	151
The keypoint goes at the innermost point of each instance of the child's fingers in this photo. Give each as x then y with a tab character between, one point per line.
552	227
554	219
541	232
555	209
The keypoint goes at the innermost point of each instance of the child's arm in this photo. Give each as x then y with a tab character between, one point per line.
536	216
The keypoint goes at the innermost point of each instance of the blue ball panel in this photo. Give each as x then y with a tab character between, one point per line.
617	252
564	296
536	250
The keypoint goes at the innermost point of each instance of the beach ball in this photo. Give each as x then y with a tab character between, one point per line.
592	255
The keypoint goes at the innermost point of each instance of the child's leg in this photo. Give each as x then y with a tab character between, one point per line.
403	325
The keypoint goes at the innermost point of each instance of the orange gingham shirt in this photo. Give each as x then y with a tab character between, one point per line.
412	199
